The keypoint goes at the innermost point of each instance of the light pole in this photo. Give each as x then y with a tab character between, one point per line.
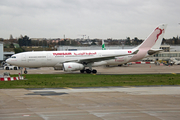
178	36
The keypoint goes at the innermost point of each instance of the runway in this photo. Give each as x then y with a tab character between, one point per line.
105	103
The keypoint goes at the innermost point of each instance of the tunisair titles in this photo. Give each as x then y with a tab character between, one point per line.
74	54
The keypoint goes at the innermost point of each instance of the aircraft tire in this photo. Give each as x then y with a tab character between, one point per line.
7	68
88	71
82	71
94	71
25	72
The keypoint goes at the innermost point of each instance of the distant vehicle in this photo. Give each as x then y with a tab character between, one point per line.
174	61
10	67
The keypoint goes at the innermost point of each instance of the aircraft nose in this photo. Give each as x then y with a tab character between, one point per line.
8	61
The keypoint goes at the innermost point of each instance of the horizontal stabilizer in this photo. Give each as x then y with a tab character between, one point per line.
154	51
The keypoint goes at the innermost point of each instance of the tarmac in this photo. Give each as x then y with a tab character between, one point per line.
127	69
100	103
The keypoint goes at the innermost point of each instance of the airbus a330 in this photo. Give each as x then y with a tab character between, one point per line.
85	60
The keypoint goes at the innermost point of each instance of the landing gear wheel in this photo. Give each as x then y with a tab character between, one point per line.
88	71
25	72
82	71
94	71
7	68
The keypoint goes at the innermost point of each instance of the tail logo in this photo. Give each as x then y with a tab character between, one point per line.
161	31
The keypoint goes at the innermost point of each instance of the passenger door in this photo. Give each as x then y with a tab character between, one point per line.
23	57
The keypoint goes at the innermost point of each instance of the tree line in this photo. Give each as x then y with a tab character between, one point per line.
26	41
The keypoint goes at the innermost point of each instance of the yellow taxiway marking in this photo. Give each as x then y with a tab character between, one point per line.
67	88
129	86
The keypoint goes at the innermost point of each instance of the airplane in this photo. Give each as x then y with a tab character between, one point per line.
79	60
145	49
176	62
67	60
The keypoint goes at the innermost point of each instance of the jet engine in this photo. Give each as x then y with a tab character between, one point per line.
72	66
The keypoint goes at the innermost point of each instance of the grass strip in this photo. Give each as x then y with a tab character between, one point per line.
89	80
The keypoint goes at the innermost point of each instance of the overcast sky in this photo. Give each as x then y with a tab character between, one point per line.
103	19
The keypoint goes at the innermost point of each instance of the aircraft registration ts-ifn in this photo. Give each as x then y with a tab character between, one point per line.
85	60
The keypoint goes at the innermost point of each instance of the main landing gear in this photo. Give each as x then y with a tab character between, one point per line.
89	71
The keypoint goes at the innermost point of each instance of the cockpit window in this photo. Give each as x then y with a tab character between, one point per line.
13	57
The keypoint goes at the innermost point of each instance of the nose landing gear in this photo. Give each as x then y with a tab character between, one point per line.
25	71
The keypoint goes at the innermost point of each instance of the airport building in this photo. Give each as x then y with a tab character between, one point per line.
1	52
167	53
4	55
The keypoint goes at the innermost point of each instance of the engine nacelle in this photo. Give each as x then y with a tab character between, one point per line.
72	66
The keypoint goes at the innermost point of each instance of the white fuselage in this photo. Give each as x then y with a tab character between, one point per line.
56	58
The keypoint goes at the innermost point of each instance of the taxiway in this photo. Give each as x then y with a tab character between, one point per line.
108	103
131	69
